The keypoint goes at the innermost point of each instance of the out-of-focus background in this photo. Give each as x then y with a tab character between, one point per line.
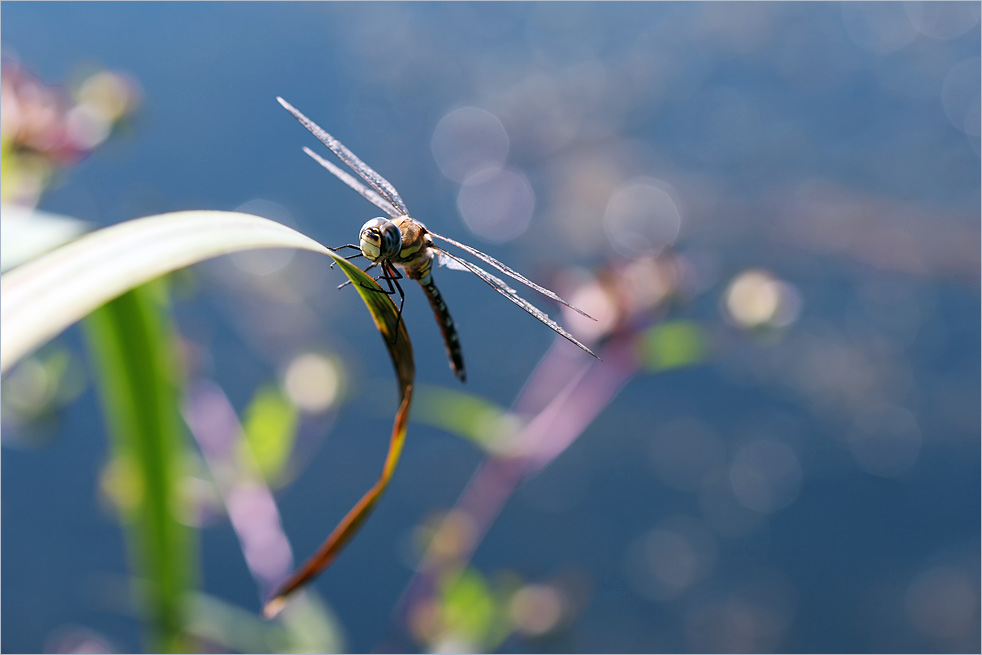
794	188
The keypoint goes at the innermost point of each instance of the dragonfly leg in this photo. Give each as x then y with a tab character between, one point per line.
347	245
366	269
391	276
349	257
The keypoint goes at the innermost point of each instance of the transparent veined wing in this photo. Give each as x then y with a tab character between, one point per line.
443	260
366	172
451	261
510	272
348	179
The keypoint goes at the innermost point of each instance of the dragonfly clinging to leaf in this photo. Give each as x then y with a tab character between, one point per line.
402	242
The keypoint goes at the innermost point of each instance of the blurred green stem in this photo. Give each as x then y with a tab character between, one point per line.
133	353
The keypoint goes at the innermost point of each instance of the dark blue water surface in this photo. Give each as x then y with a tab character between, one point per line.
836	147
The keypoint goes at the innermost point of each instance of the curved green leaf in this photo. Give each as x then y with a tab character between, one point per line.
393	331
349	525
44	296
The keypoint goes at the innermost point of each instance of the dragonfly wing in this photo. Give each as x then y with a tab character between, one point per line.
498	285
366	172
348	179
443	258
510	272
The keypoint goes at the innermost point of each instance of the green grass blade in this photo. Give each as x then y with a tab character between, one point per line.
134	355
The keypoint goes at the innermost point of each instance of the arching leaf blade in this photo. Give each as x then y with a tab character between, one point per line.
396	338
349	525
44	296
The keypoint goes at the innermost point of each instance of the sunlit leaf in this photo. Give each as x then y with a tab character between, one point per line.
46	295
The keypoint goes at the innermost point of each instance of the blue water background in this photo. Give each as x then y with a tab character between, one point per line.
753	104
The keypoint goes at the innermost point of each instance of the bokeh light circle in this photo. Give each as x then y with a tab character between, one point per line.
497	206
313	382
467	141
766	476
942	20
670	558
687	455
942	602
885	440
642	217
756	299
878	27
960	95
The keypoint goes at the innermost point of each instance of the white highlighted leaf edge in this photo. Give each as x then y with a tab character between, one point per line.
42	297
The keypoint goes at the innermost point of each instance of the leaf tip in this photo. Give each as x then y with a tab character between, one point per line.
274	607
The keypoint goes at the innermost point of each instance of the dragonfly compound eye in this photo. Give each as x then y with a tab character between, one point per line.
380	239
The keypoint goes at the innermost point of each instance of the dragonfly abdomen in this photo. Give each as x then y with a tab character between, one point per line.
447	327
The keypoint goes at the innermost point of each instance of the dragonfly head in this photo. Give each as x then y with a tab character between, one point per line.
380	239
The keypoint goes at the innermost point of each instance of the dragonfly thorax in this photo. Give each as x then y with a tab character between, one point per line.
380	239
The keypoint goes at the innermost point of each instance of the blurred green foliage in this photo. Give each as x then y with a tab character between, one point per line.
132	346
673	344
270	423
465	415
474	611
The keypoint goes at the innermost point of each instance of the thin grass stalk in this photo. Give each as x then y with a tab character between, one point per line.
132	348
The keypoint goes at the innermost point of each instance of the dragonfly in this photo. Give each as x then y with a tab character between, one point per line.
401	244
